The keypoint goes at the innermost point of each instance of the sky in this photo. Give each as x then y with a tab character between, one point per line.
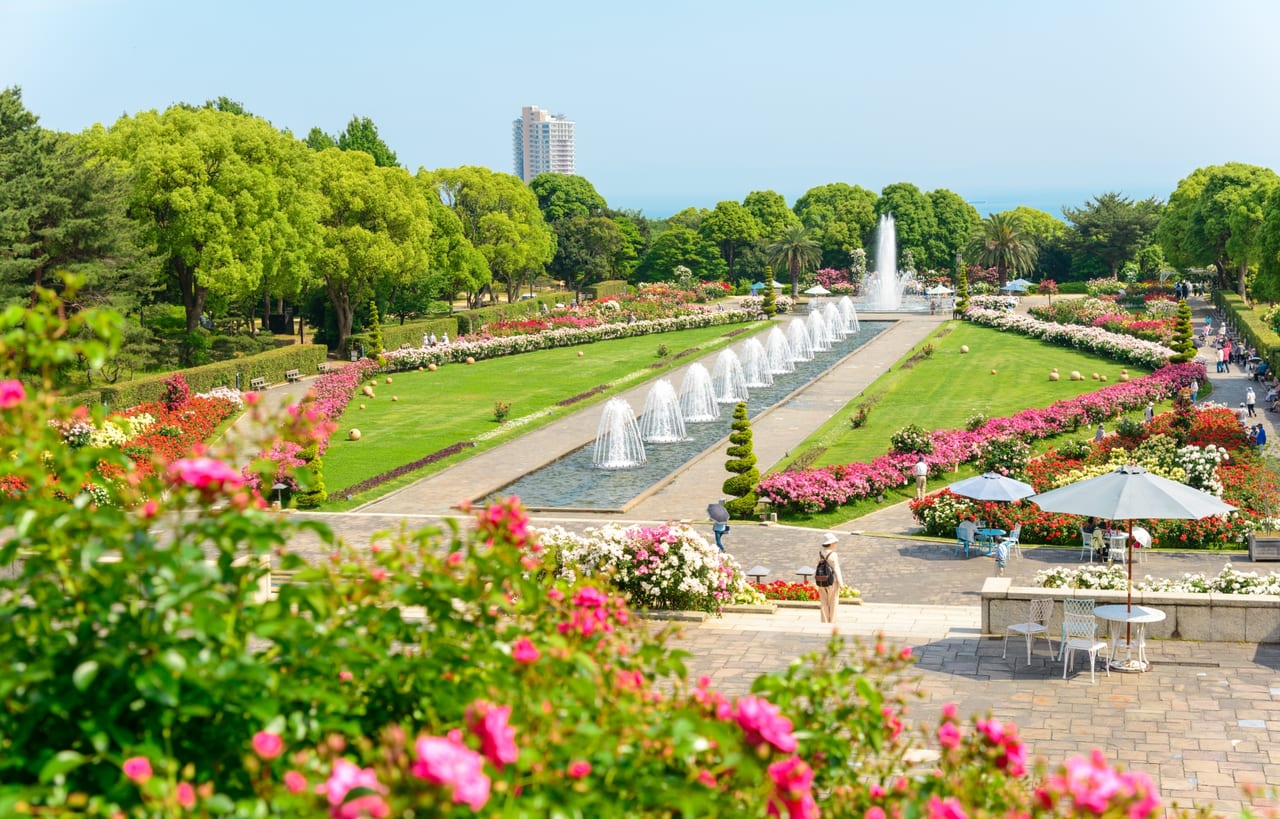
1041	103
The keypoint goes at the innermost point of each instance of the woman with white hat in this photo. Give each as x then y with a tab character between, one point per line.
828	573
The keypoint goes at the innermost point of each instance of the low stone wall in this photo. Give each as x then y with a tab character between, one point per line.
1215	618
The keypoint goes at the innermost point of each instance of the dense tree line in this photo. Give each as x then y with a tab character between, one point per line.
209	214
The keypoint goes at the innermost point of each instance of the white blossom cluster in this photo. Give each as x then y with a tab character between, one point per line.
1201	466
1112	578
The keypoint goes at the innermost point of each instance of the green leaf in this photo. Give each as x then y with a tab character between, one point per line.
61	763
84	674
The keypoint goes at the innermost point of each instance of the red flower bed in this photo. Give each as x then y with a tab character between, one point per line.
782	590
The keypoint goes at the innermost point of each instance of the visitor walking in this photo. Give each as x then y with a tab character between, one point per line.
1149	413
828	595
1249	400
1097	436
1195	390
921	471
719	515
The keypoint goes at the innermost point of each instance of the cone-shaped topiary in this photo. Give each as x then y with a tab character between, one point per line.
375	330
742	462
1182	345
962	288
770	304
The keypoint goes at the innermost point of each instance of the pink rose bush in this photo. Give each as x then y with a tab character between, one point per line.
825	488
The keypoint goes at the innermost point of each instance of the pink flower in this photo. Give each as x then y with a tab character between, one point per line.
793	789
345	777
762	721
378	573
454	559
524	651
948	735
555	595
12	393
208	475
267	745
948	808
905	653
446	761
345	676
295	782
138	768
185	794
949	710
497	739
874	813
579	768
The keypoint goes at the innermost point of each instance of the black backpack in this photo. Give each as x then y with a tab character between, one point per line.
823	576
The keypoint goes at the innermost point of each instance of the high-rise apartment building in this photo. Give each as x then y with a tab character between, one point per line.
542	143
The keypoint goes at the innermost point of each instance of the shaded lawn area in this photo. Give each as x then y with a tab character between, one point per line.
942	391
437	409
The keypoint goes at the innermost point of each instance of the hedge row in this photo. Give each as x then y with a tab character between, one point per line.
271	365
460	323
1251	326
607	289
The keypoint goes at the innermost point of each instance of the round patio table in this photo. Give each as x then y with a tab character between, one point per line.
1136	617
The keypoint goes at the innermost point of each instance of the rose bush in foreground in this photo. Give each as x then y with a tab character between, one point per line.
439	672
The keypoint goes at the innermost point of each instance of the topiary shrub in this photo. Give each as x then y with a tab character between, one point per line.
911	440
742	462
1183	345
375	331
770	304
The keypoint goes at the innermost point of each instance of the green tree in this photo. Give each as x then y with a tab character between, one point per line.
375	231
678	246
956	221
913	219
318	140
587	251
731	227
1214	217
562	196
1183	345
500	216
1049	234
1000	244
841	217
225	199
362	135
742	464
1267	283
962	287
375	330
769	208
796	251
455	266
62	210
1113	228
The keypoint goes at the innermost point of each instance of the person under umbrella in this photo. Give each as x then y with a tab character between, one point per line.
719	521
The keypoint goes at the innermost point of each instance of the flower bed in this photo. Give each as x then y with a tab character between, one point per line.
825	488
798	592
1114	578
1093	339
1156	323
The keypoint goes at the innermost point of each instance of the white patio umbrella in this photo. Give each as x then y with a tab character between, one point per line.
817	290
1131	493
938	290
1023	283
992	486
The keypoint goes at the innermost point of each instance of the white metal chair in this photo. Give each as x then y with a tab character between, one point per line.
1073	605
1081	634
1037	623
1012	542
1117	549
1086	545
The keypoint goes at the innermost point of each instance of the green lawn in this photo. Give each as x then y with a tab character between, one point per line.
944	389
435	410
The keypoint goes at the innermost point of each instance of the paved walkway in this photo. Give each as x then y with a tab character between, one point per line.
1204	720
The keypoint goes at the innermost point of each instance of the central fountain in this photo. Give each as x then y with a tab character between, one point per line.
884	287
618	444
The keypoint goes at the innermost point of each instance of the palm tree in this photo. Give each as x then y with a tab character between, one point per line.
1000	243
795	250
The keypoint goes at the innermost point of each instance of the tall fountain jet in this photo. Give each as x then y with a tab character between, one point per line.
727	379
662	422
755	364
697	396
884	286
845	306
779	352
836	327
798	340
819	338
618	444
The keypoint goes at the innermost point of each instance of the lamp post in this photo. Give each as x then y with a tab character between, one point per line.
279	487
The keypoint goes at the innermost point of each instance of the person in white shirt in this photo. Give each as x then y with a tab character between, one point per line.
921	471
829	596
1250	398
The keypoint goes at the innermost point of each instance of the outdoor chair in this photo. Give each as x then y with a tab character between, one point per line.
1143	537
1086	545
963	541
1117	552
1037	623
1013	542
1074	605
1080	633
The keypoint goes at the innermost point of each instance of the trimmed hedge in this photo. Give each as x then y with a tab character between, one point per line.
270	365
462	322
604	290
1252	328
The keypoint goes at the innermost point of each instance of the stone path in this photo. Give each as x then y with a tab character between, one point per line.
1203	721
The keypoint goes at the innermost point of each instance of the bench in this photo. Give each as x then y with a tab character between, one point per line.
324	367
258	383
292	375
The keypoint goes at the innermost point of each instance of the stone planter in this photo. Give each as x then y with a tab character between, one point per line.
1264	546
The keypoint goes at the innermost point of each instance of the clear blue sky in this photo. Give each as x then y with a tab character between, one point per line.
678	103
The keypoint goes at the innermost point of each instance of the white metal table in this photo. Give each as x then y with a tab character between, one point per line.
1136	617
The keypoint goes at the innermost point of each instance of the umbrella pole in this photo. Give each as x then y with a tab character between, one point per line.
1128	545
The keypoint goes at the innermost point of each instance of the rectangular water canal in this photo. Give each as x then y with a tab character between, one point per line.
574	482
